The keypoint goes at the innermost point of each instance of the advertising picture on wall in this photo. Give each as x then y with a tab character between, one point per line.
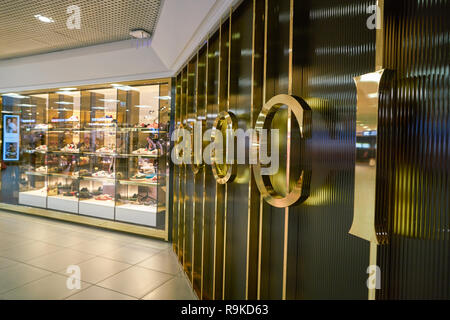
11	135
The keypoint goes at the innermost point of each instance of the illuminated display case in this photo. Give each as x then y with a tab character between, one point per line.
33	182
100	153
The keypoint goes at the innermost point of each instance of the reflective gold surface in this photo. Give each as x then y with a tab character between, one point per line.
252	249
299	108
223	171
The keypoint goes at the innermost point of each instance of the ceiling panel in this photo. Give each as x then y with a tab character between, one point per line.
102	21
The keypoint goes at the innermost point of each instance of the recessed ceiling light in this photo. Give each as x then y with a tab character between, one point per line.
68	89
14	95
109	100
44	19
123	88
66	92
140	34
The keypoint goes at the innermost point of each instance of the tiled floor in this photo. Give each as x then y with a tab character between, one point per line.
35	255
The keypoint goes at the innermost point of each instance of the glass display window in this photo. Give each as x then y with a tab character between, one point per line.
97	152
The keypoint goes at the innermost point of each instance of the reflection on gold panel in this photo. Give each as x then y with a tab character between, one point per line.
252	243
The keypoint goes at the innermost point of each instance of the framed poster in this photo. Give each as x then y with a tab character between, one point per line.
11	137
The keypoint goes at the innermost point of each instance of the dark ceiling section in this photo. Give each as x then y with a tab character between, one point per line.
102	21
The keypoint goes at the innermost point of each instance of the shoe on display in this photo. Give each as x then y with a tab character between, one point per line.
73	119
98	192
145	151
103	197
70	148
42	148
105	150
42	126
84	173
148	168
99	174
84	194
139	151
138	177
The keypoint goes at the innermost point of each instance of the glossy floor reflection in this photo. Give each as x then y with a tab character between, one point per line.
35	254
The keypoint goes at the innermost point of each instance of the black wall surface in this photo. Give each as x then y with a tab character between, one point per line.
415	263
232	243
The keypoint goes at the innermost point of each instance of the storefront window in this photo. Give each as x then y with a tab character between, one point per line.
95	152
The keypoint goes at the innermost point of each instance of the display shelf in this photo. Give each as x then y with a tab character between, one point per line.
98	209
62	175
138	214
138	183
128	155
34	198
33	173
89	178
62	203
34	151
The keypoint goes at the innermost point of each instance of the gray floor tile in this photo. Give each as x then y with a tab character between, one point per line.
36	233
164	261
151	243
60	260
50	245
19	274
131	254
28	251
98	269
96	246
98	293
6	244
5	263
67	240
52	287
175	289
135	281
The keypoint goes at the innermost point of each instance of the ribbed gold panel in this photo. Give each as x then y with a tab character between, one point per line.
232	243
414	189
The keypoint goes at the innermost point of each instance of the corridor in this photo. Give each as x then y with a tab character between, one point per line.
36	255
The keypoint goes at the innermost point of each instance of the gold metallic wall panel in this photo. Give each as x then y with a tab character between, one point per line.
199	177
313	50
212	109
189	183
254	253
326	58
182	175
415	186
238	190
176	173
221	190
276	82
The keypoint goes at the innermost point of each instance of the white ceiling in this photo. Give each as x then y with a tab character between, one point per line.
182	25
